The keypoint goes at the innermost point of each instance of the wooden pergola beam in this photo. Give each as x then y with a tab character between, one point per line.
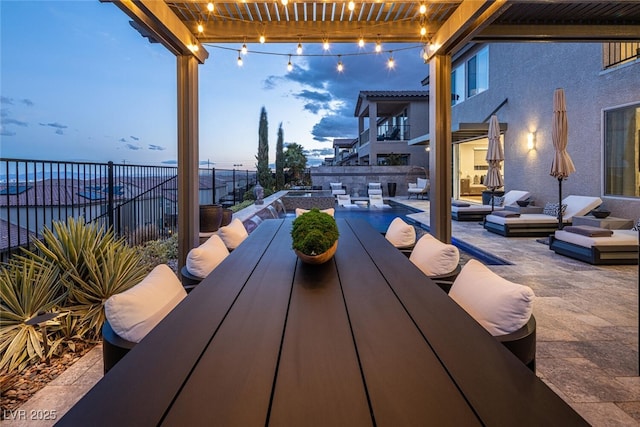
563	33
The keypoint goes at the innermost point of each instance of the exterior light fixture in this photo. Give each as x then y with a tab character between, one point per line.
325	44
391	63
200	28
210	7
284	2
299	49
351	5
423	31
378	47
239	59
244	49
340	66
361	41
289	64
262	38
423	9
531	141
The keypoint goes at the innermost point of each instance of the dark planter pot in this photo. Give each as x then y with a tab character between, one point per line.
210	218
391	188
227	216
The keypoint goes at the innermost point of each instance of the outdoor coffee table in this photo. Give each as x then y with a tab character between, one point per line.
364	339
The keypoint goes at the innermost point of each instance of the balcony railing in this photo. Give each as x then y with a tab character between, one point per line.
139	202
614	54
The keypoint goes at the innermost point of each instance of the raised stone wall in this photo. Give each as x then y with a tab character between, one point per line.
356	178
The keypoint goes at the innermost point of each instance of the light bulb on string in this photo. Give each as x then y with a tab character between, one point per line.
210	7
423	31
351	5
284	2
239	60
200	28
244	49
378	47
423	9
299	49
391	63
340	66
361	41
289	64
325	44
262	38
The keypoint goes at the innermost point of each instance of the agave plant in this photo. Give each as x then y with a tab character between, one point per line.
97	264
27	288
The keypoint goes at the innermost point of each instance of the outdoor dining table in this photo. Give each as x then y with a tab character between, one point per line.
365	339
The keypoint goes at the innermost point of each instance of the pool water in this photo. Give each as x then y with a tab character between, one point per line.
379	218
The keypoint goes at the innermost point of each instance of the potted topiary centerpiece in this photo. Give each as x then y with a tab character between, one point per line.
315	236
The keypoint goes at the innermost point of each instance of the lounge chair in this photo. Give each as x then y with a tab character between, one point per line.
596	245
420	188
337	188
376	201
513	224
374	188
345	201
462	211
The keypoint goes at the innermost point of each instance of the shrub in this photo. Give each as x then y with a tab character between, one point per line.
97	265
155	252
27	288
314	232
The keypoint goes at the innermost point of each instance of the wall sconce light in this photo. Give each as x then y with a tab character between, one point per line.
531	141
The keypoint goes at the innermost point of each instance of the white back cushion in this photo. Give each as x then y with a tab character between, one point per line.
434	257
134	312
300	211
422	183
512	196
336	185
202	260
400	234
499	305
375	185
233	234
579	205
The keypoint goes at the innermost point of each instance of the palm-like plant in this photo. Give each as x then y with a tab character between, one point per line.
27	288
97	264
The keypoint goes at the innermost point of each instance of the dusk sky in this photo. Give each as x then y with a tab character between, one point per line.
78	83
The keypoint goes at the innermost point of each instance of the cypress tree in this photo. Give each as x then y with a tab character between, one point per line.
280	159
262	168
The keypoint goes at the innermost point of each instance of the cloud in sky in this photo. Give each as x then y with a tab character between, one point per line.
172	162
59	132
133	147
122	140
156	147
27	102
7	133
11	101
135	138
6	100
9	121
54	125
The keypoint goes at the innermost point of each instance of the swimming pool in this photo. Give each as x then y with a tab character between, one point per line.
379	218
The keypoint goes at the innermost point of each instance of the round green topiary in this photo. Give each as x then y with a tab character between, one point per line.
314	232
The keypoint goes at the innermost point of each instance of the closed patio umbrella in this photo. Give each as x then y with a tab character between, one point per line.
562	166
495	156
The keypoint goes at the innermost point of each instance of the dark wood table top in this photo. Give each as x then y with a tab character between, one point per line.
364	339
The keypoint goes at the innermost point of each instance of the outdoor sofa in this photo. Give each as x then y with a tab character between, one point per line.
512	224
596	245
462	211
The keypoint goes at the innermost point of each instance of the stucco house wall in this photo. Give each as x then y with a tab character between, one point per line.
527	74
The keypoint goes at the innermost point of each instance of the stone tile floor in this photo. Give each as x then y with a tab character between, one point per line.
587	320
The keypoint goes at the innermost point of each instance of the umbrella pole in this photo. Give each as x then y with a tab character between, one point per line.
560	203
492	201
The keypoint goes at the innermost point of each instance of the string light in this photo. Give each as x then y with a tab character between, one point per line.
262	38
289	64
239	60
299	49
361	41
284	2
423	31
351	5
325	44
391	63
340	66
210	7
200	28
423	9
378	47
244	49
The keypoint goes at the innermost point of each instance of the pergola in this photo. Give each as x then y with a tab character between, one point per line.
446	25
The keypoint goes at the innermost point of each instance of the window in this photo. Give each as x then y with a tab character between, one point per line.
457	85
478	73
393	159
622	151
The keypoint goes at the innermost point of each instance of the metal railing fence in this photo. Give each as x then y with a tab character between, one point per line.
139	202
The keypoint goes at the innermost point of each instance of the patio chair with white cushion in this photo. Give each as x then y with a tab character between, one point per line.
376	201
513	224
596	245
463	211
420	188
374	188
438	260
337	188
345	201
401	235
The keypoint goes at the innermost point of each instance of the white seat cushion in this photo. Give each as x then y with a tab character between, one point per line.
499	305
233	234
434	257
202	260
512	196
400	234
134	312
618	238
